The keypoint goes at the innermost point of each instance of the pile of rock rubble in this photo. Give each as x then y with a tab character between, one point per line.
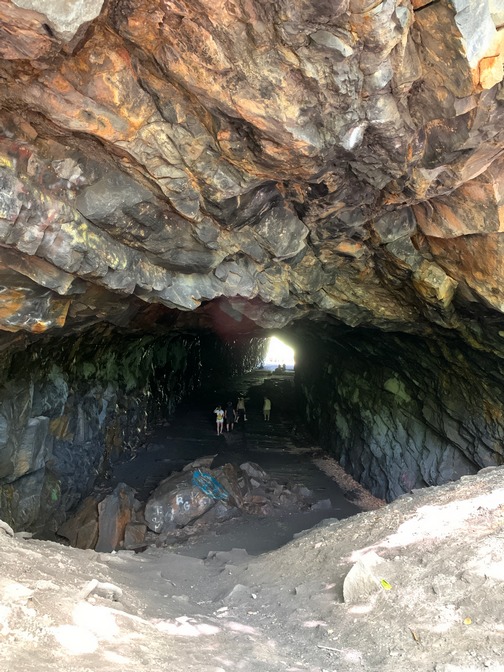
117	520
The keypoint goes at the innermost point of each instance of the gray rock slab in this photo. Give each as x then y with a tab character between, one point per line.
64	16
364	579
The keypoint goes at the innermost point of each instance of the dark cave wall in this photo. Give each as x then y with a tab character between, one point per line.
68	406
400	412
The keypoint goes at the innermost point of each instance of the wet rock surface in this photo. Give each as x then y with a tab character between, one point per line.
401	413
69	412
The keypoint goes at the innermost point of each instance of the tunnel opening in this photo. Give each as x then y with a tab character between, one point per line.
279	354
91	422
396	411
179	182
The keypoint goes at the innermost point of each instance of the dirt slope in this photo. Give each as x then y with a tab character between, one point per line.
434	602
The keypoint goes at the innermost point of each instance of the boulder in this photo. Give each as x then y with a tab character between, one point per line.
115	512
176	503
134	535
364	579
254	471
231	480
82	529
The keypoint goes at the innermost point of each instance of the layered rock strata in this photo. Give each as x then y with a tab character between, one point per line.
73	405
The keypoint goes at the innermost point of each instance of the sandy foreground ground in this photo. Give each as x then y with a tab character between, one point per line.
414	585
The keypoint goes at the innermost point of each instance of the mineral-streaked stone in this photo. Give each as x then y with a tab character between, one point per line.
226	152
134	535
81	530
114	514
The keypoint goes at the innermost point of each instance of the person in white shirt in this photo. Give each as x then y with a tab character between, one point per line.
267	408
219	418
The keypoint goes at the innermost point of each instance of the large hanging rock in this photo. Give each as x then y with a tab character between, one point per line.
64	18
171	162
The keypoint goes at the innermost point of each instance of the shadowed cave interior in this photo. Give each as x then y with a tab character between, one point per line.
397	411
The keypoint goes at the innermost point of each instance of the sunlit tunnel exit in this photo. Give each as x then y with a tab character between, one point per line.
278	353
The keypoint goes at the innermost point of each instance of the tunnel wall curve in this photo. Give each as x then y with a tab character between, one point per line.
70	405
401	412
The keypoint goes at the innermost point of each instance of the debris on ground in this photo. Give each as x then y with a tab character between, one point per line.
415	585
197	493
187	496
353	490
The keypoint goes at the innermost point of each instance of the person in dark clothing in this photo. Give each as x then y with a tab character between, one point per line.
240	408
230	416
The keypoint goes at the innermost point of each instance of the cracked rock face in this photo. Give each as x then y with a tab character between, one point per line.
336	160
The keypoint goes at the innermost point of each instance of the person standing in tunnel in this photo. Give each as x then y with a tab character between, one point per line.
230	415
240	409
219	419
267	408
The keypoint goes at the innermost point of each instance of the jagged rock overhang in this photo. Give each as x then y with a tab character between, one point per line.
349	169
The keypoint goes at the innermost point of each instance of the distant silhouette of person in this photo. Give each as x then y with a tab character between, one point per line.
240	408
219	419
230	416
267	408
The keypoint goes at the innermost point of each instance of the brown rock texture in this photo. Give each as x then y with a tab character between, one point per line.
291	158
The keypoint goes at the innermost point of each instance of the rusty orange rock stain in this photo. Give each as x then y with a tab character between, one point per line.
490	71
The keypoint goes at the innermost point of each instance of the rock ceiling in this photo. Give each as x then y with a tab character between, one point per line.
329	159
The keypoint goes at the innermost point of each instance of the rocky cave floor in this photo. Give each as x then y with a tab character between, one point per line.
280	447
414	585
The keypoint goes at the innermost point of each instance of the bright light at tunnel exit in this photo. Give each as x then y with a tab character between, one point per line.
279	353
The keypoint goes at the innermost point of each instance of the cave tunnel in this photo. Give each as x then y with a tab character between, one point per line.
397	411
